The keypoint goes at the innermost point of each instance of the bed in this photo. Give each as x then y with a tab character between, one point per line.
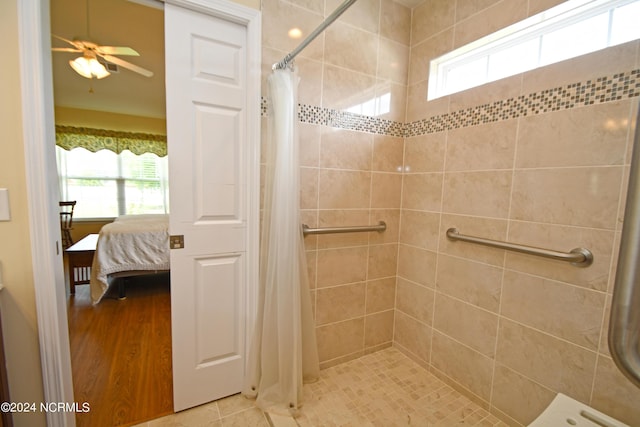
131	245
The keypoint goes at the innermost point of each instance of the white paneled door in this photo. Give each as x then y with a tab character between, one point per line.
212	162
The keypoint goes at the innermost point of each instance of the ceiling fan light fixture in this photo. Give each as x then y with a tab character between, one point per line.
89	67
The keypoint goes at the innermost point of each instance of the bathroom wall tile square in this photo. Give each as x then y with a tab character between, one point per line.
518	396
415	300
343	88
633	121
424	52
391	217
344	189
603	346
417	265
585	197
387	153
278	16
485	95
378	328
623	197
381	295
417	105
345	149
589	136
614	262
340	266
339	303
339	42
393	61
311	258
422	191
555	363
383	261
308	188
395	22
309	70
386	190
473	282
483	147
340	339
342	218
615	395
466	323
420	229
412	335
464	10
489	20
563	310
309	136
363	14
425	153
431	17
562	238
495	229
310	218
397	102
477	193
471	369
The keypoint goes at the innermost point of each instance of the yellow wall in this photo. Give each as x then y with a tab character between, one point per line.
17	300
102	120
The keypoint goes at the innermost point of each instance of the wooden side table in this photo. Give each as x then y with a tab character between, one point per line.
80	258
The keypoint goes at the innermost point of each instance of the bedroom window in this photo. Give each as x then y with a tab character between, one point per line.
106	184
571	29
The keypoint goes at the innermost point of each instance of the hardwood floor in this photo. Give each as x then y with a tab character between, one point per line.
121	353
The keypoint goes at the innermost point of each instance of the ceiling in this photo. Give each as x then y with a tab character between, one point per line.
111	23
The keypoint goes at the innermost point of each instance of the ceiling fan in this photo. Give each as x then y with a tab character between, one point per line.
88	65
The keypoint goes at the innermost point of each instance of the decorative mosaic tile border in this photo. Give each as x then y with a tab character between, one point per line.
603	89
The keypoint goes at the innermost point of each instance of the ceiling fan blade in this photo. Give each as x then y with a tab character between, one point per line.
116	50
77	45
65	49
128	65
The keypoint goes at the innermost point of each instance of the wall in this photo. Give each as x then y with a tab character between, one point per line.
347	177
17	299
547	170
533	159
112	121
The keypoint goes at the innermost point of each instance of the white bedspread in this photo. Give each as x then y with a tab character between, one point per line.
131	242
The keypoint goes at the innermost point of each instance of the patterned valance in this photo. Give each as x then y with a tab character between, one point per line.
69	137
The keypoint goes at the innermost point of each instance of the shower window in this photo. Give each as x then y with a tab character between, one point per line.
568	30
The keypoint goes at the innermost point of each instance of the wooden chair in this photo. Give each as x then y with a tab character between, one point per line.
66	221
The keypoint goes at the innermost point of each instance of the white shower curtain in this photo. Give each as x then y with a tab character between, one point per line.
284	351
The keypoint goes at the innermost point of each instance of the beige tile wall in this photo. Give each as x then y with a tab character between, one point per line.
509	329
348	177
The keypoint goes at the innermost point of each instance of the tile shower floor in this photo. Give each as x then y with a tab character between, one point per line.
385	388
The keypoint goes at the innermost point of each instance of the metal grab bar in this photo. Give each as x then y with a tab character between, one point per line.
580	257
382	226
315	33
624	323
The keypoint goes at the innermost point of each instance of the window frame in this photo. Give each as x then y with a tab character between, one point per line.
532	28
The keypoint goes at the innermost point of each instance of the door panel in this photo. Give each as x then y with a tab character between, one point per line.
210	158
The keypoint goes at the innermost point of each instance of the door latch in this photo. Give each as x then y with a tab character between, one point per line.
176	242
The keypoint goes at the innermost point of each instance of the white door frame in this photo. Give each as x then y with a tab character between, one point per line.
39	145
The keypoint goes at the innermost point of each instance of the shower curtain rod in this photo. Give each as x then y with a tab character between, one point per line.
336	13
